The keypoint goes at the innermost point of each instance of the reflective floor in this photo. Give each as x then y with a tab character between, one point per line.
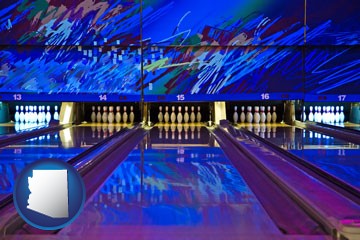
174	187
61	145
12	128
338	157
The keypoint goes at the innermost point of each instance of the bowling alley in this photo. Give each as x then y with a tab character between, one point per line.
177	120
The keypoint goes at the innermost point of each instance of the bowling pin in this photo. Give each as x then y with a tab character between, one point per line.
111	116
22	114
262	114
98	115
192	115
256	115
132	115
332	114
316	114
166	115
198	115
125	115
311	114
17	114
242	114
40	115
56	113
186	114
337	115
93	115
44	115
268	115
31	114
323	116
160	115
104	116
179	115
35	115
304	114
328	114
117	115
341	116
235	115
26	114
48	114
249	115
172	115
274	115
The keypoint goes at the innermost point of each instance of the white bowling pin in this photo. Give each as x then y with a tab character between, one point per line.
160	115
44	114
117	115
17	114
186	114
192	115
337	115
274	115
40	115
198	115
166	115
31	114
26	114
242	114
332	114
56	113
268	115
22	114
262	114
235	115
93	115
125	115
111	116
311	114
179	115
35	114
256	115
132	115
328	114
323	116
304	114
172	115
104	116
249	115
98	115
48	114
341	116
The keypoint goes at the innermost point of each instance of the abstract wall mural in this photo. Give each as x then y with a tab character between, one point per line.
336	22
333	70
69	69
54	22
222	70
197	48
225	23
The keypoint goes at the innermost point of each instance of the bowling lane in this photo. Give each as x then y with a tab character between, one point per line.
12	128
347	125
176	185
62	145
338	157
